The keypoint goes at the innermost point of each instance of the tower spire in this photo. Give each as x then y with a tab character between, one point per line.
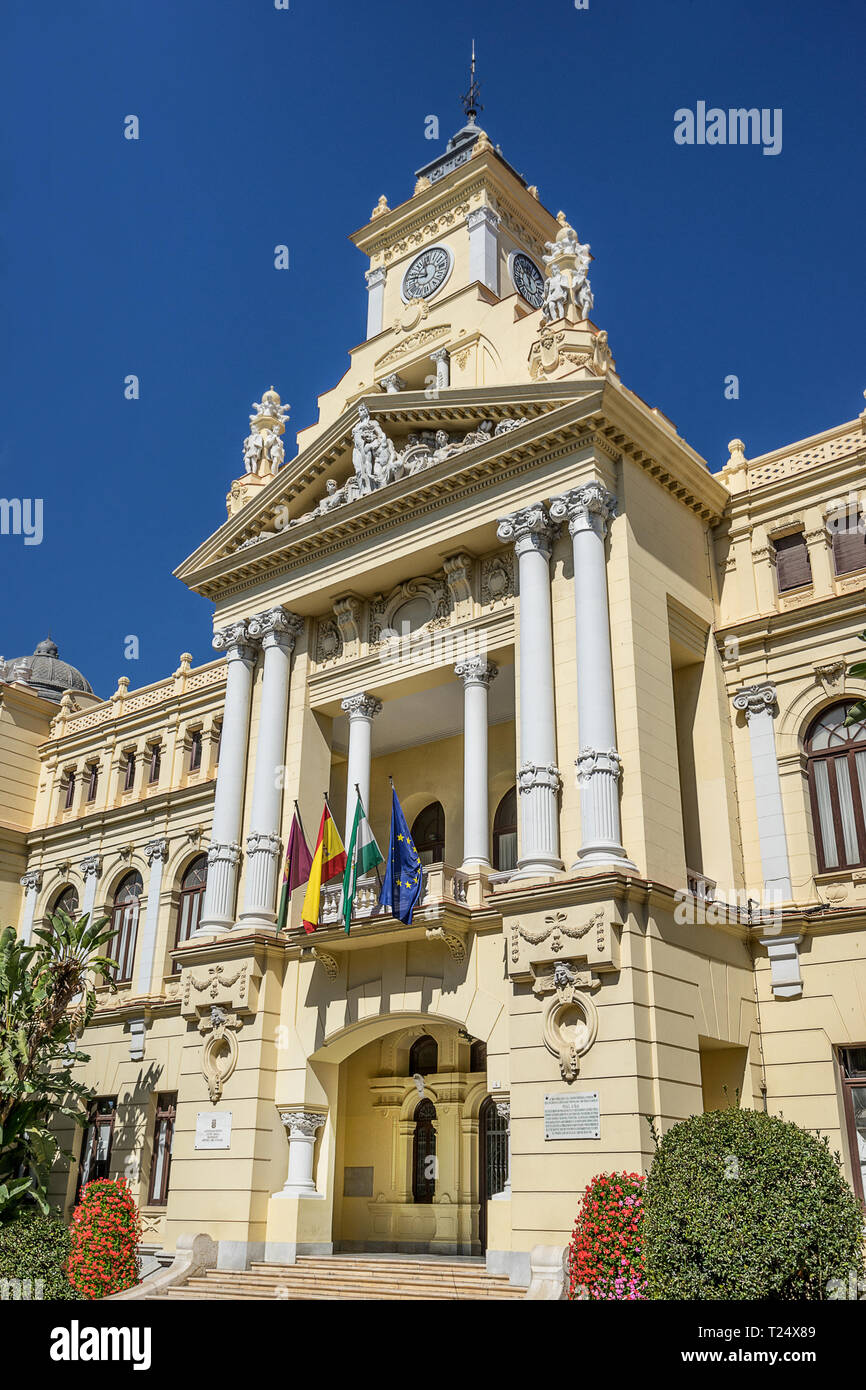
471	104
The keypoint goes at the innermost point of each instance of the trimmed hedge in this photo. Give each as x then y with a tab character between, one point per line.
36	1248
743	1205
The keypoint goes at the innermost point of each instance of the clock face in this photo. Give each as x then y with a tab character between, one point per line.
528	279
427	273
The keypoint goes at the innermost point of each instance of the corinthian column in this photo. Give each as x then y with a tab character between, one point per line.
477	673
599	766
538	777
224	854
31	882
362	710
276	630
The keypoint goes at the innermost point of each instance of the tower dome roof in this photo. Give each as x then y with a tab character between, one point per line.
45	673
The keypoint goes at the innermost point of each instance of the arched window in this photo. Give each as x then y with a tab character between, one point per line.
424	1152
428	832
124	924
424	1056
189	906
66	901
837	782
478	1056
505	832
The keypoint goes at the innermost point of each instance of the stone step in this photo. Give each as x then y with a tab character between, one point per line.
352	1277
364	1288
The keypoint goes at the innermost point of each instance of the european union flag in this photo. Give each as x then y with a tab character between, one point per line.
403	884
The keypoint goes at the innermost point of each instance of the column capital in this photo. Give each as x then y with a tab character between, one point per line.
589	506
156	849
262	840
221	853
361	706
276	627
532	775
31	881
592	760
376	275
440	355
234	640
530	529
91	866
483	217
756	699
303	1123
476	670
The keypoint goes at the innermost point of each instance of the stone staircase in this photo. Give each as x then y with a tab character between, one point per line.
351	1277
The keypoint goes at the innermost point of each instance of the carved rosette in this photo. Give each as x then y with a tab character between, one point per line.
529	529
755	699
590	507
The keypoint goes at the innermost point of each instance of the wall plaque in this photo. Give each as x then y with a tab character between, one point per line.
358	1182
213	1129
572	1116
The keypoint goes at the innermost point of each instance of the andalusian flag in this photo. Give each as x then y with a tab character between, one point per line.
364	855
296	869
328	861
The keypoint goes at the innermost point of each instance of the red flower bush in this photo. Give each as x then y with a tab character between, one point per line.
605	1257
106	1230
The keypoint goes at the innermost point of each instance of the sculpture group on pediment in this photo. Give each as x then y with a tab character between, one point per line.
376	461
567	261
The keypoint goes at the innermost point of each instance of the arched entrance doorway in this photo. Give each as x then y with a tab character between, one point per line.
405	1165
492	1161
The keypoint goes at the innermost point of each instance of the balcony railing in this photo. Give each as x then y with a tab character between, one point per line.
441	884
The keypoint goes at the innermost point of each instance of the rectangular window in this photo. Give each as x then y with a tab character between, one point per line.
160	1166
92	781
195	750
793	567
96	1144
852	1061
70	791
155	762
849	547
129	775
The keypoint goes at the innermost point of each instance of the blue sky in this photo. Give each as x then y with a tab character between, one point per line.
261	127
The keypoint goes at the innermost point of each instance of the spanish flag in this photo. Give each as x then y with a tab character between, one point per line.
329	860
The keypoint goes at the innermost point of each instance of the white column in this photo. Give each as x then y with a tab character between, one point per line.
599	766
156	853
91	871
503	1110
224	854
362	710
301	1126
441	360
375	299
277	630
483	224
757	703
31	882
538	778
477	673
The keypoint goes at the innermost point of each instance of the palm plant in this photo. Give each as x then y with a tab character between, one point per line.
47	998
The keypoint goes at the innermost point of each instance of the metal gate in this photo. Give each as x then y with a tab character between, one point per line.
493	1161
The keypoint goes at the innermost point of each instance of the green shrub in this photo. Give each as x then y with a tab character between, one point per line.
743	1205
35	1248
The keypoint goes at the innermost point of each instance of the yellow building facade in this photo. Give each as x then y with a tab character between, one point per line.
610	688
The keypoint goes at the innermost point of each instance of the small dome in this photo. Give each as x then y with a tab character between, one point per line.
45	673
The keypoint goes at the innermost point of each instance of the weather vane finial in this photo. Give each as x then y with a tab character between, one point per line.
471	104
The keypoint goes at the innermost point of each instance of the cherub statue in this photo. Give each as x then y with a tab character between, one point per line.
555	296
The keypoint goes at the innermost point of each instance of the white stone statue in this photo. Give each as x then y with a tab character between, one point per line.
585	299
270	408
254	446
373	455
555	296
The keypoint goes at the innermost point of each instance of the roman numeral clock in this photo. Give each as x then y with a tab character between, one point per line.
427	273
526	278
